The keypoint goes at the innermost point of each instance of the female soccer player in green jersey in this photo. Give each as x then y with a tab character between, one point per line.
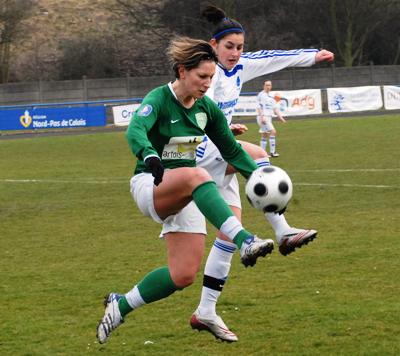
168	187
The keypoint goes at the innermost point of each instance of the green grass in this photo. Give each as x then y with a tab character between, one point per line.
75	234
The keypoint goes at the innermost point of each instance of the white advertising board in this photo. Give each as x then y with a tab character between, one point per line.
292	103
391	94
354	99
123	114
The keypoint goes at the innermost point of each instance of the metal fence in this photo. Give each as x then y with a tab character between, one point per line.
128	87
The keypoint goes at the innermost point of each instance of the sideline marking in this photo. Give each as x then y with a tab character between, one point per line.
344	185
126	181
67	181
349	170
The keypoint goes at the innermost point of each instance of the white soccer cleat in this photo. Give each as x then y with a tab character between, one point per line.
275	154
254	247
213	324
112	318
295	238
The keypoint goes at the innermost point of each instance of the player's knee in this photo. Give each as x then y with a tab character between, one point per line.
255	151
184	278
197	176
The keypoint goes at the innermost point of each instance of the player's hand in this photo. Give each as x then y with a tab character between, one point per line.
324	55
238	129
157	169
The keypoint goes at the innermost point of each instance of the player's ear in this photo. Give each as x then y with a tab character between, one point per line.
181	71
213	43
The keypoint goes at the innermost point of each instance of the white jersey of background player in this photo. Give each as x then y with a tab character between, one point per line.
234	69
267	107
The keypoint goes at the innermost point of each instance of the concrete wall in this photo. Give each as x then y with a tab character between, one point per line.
132	87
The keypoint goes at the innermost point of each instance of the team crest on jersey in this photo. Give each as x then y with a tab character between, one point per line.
201	118
145	110
238	82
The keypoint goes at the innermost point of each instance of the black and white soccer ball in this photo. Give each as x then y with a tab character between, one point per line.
269	189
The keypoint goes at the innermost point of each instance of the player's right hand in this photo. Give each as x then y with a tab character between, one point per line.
157	169
324	55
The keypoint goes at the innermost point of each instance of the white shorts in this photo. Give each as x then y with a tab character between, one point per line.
211	160
267	127
189	219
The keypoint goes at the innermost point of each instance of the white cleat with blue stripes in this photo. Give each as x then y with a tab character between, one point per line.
254	247
112	318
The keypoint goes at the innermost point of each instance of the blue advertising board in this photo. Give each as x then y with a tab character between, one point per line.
34	118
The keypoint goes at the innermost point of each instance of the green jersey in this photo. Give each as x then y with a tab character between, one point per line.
162	127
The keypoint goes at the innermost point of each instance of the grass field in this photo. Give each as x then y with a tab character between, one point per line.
70	233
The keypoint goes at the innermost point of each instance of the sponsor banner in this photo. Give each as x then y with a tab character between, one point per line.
354	99
391	96
299	102
52	118
246	106
291	103
123	114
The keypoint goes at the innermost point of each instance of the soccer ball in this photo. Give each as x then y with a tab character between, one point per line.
269	189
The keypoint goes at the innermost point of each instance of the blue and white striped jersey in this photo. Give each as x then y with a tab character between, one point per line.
226	85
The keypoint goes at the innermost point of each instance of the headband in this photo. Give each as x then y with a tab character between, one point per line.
228	30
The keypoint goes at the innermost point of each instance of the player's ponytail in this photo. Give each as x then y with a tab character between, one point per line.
223	24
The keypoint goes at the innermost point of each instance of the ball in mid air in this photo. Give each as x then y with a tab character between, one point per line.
269	189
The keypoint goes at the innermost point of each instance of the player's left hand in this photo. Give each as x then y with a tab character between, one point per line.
157	169
238	129
324	55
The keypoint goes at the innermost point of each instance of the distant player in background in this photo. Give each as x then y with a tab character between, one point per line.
267	106
235	68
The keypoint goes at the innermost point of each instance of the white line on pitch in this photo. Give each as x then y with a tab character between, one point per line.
67	181
125	181
349	170
348	185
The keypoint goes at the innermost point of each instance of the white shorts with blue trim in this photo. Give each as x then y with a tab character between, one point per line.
267	127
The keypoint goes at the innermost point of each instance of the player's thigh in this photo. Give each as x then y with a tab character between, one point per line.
175	191
270	127
255	151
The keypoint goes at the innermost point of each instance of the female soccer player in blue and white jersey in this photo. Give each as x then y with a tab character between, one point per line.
233	70
267	107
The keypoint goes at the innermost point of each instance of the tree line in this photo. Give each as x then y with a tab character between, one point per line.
359	32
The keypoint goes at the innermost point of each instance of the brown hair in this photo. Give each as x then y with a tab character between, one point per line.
189	52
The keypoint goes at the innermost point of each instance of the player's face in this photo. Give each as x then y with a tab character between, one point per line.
229	49
198	80
267	86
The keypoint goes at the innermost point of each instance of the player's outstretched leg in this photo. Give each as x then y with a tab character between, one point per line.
295	238
112	318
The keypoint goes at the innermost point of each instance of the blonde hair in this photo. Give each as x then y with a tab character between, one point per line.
189	52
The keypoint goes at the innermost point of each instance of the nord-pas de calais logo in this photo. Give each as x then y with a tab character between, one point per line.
201	119
25	119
